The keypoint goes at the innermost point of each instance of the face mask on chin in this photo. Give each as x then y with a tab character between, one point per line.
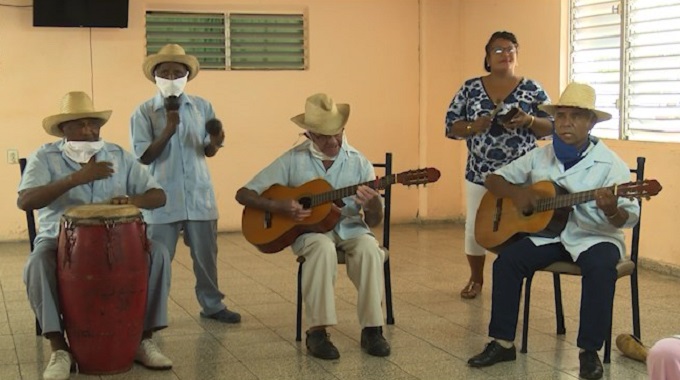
317	153
567	154
82	151
171	87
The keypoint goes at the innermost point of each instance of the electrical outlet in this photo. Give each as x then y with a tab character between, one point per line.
12	156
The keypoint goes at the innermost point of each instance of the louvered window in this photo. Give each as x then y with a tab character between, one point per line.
237	41
267	41
200	34
629	51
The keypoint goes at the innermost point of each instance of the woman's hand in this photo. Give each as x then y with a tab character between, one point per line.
480	124
521	119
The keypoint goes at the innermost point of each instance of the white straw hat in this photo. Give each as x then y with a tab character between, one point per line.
577	95
322	115
170	53
74	105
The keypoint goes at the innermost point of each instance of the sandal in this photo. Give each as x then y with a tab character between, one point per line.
471	290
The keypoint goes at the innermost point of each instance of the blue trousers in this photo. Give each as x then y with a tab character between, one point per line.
201	237
598	282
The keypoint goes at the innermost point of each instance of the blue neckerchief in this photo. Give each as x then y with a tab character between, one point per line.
567	154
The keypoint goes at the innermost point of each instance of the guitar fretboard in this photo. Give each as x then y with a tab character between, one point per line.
333	195
568	200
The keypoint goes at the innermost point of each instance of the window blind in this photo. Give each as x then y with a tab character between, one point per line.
652	65
267	41
200	34
596	56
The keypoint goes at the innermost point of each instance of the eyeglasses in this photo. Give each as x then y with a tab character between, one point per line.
500	50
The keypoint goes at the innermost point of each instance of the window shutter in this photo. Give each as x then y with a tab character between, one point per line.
267	41
652	65
596	55
200	34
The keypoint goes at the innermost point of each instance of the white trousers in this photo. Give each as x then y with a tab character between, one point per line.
473	196
364	261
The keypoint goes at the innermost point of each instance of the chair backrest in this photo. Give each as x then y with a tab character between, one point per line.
387	195
30	217
639	172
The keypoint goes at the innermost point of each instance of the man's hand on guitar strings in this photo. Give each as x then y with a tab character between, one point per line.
607	202
525	200
293	209
367	197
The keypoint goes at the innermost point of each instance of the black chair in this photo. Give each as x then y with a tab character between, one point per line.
30	223
625	267
387	195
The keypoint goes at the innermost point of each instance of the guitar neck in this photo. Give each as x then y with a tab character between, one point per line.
568	200
333	195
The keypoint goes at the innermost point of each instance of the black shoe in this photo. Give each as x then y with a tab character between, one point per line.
591	366
224	316
493	353
373	342
320	346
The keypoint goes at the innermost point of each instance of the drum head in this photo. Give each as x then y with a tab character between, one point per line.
99	213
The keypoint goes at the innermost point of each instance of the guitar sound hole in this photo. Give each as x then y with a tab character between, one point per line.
306	202
527	212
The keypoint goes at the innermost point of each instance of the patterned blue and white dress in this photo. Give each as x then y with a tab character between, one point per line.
497	146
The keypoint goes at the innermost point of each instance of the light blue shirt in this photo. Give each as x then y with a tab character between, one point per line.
587	224
181	168
297	167
49	164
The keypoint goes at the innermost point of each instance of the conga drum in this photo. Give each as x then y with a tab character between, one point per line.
102	276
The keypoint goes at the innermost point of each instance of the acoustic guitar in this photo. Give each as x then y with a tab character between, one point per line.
499	223
271	232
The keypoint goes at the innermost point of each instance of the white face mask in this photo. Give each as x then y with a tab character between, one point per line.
82	151
171	87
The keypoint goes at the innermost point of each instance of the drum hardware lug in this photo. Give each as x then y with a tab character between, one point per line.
110	235
70	241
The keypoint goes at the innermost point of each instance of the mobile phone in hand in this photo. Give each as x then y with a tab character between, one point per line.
508	116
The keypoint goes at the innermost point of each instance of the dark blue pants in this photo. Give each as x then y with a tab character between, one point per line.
598	268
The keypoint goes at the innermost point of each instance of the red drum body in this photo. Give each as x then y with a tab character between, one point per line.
102	275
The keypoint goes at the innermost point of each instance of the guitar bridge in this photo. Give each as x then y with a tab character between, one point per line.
497	214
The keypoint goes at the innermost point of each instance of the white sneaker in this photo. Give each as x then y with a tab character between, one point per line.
59	367
150	356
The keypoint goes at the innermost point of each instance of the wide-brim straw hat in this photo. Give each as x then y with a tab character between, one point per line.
577	95
632	347
74	105
322	115
170	53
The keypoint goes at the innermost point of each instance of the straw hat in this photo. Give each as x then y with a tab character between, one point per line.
632	347
170	53
577	95
322	116
74	105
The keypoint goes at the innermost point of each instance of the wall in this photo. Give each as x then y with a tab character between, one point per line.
362	52
398	62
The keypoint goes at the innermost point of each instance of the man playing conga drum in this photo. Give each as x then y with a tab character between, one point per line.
81	169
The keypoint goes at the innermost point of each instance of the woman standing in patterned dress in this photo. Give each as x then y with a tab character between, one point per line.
476	114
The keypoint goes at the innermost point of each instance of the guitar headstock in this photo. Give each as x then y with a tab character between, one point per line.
639	189
418	176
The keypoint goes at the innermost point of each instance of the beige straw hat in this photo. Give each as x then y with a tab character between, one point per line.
170	53
322	115
74	105
577	95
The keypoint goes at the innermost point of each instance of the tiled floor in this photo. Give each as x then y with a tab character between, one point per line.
435	331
